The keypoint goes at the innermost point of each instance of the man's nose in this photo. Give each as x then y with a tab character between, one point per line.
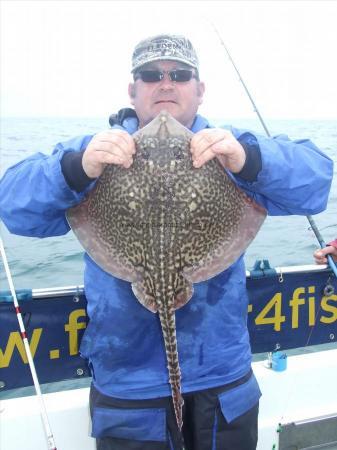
166	82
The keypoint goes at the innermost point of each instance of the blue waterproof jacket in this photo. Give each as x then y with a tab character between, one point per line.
123	341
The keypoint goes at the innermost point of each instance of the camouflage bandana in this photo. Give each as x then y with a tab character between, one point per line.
164	47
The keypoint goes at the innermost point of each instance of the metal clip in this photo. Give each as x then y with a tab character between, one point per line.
76	297
328	290
280	278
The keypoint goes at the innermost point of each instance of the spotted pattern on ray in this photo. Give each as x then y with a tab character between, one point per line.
163	225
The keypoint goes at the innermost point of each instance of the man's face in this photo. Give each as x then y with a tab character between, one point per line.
181	99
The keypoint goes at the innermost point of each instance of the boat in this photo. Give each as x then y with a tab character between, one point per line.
292	320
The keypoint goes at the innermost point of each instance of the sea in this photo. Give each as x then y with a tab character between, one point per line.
55	262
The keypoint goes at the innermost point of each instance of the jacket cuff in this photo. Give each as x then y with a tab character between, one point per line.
73	172
253	164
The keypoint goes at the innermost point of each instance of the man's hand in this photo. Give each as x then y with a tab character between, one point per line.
321	254
108	147
216	142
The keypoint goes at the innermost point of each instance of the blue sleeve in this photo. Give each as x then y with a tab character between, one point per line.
34	194
295	176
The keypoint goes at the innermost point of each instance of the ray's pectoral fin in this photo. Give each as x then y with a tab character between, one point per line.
106	254
225	251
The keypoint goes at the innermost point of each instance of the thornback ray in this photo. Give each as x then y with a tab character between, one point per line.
163	225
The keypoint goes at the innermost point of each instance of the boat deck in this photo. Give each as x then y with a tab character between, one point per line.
304	393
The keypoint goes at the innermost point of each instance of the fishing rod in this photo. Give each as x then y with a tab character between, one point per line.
43	410
313	225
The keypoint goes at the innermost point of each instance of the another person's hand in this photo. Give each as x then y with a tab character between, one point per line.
108	147
216	142
320	255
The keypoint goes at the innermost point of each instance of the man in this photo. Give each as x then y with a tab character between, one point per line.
130	400
321	254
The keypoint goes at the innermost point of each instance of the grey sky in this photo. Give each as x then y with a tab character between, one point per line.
72	58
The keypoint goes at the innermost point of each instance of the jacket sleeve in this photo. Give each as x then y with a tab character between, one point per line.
295	176
34	194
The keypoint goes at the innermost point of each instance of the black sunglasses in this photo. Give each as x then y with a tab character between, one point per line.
153	76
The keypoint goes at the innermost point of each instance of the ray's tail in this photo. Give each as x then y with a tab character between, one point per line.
167	320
